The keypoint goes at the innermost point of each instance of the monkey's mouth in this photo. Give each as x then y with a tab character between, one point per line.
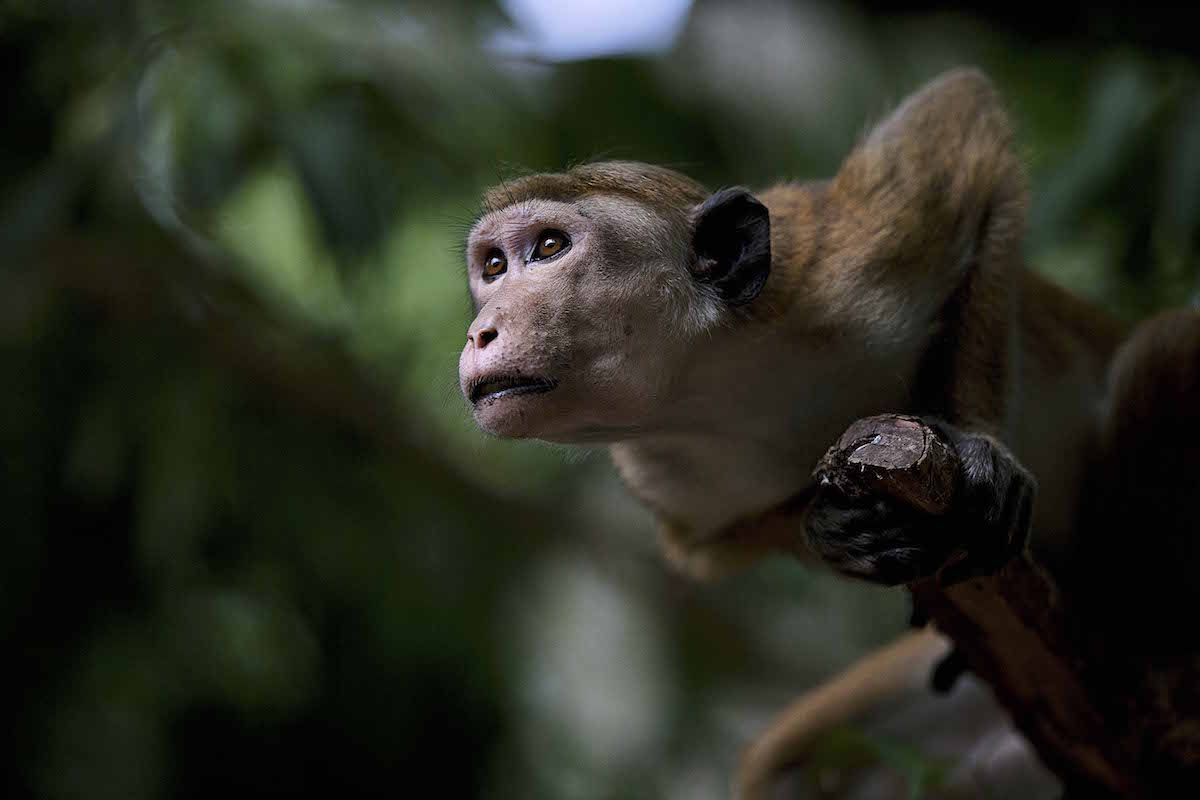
497	386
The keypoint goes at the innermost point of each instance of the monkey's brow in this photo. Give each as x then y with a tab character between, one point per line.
526	201
474	227
487	209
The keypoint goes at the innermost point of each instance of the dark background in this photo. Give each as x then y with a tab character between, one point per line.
251	540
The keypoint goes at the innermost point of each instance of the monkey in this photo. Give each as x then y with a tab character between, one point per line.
718	342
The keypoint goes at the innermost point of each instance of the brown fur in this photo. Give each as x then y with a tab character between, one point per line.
896	286
664	190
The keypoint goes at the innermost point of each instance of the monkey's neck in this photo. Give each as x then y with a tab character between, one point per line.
748	424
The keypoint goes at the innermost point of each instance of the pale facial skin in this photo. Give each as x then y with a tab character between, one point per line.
558	350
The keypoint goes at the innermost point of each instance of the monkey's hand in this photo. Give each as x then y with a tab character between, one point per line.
890	512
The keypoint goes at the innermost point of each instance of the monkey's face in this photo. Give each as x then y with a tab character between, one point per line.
572	299
590	310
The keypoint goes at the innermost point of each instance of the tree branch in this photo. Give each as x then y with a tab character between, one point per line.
1106	721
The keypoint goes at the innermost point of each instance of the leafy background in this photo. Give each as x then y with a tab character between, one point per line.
251	539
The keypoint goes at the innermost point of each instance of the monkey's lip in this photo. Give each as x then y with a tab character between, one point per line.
491	387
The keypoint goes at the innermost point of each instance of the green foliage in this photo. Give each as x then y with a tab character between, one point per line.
252	541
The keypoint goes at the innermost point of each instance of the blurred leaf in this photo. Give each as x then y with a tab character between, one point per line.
848	750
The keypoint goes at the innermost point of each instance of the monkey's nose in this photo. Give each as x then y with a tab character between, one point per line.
483	337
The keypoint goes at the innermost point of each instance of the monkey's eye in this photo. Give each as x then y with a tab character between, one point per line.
550	244
494	264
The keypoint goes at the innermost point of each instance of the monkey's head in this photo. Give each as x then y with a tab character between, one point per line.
620	300
575	277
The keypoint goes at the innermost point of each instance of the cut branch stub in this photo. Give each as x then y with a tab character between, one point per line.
1010	626
893	455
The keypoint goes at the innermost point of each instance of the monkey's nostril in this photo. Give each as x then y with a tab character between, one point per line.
485	336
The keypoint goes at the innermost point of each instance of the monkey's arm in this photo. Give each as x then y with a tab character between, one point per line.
929	214
741	544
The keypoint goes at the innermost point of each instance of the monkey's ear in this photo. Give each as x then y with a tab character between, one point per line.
732	242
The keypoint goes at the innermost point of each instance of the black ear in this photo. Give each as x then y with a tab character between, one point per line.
732	241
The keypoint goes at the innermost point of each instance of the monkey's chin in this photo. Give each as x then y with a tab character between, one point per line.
512	416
